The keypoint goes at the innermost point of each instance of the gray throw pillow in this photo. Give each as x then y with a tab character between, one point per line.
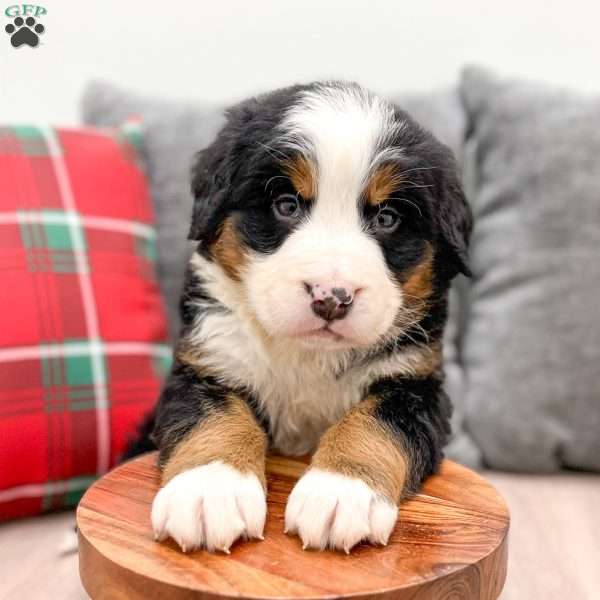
531	349
172	132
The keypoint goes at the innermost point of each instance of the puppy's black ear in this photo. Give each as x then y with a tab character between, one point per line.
215	169
455	221
210	178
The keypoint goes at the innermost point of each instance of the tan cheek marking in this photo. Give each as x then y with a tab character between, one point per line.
228	250
418	287
382	183
231	435
303	175
361	446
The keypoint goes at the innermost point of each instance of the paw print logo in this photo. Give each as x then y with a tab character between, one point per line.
24	31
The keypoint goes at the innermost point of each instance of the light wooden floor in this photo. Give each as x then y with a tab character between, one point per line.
554	544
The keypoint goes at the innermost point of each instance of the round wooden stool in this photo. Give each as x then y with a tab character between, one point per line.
450	543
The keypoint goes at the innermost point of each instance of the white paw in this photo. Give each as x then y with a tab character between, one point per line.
331	510
210	507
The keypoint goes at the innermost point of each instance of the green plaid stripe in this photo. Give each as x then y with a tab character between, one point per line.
131	132
63	218
68	381
146	248
49	245
162	363
54	493
31	140
47	237
73	348
70	497
130	137
77	245
65	493
27	132
66	369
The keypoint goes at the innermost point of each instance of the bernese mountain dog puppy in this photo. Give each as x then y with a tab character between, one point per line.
329	226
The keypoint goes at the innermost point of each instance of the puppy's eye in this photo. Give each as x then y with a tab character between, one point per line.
287	207
386	220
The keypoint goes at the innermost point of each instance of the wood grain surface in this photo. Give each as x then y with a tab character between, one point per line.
450	543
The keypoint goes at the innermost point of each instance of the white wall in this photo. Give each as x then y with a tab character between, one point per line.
225	49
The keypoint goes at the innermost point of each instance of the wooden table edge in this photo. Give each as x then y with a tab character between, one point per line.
162	589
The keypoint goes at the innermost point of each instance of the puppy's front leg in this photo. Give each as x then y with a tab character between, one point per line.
367	463
212	458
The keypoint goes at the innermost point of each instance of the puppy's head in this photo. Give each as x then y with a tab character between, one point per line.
338	216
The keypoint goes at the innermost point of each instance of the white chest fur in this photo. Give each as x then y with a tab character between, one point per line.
297	389
302	392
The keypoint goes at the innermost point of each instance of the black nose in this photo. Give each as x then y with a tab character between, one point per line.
332	308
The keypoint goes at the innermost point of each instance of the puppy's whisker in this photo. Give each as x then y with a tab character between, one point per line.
408	202
273	151
418	185
428	168
404	180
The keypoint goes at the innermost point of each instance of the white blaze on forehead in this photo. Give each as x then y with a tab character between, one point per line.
346	131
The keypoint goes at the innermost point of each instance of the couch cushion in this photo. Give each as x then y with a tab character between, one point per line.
82	326
532	345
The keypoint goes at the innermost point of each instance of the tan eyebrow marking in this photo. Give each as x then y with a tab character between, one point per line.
382	183
229	251
303	174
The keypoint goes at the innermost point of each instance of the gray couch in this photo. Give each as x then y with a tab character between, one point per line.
522	344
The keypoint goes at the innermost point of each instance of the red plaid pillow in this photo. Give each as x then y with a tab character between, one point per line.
82	329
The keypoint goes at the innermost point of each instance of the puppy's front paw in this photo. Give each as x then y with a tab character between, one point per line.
331	510
210	506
